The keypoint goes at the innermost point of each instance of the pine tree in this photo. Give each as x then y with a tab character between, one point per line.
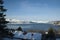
3	21
19	29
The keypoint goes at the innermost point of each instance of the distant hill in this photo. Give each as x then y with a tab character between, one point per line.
55	22
21	22
15	21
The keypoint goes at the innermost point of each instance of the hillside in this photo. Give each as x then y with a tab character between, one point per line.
55	22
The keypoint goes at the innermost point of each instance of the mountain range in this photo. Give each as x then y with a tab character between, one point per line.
15	21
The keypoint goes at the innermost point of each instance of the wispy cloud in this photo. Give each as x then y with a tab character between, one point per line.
28	4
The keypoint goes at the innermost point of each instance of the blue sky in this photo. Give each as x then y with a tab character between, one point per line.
48	10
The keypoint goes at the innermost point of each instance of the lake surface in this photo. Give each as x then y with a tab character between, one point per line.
40	26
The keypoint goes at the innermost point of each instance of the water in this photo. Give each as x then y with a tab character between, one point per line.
40	26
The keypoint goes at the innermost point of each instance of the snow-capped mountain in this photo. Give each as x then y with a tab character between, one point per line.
15	21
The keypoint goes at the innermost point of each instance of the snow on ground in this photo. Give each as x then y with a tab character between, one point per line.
10	39
19	34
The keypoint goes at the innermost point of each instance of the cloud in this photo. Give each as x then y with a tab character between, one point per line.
13	20
41	21
30	4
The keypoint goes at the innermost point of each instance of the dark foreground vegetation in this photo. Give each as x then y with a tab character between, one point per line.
3	22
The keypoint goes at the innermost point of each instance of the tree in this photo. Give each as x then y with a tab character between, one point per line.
51	31
51	34
3	22
19	29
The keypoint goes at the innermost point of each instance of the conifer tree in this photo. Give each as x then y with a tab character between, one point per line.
19	29
3	22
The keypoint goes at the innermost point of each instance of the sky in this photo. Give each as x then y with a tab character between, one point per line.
44	10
